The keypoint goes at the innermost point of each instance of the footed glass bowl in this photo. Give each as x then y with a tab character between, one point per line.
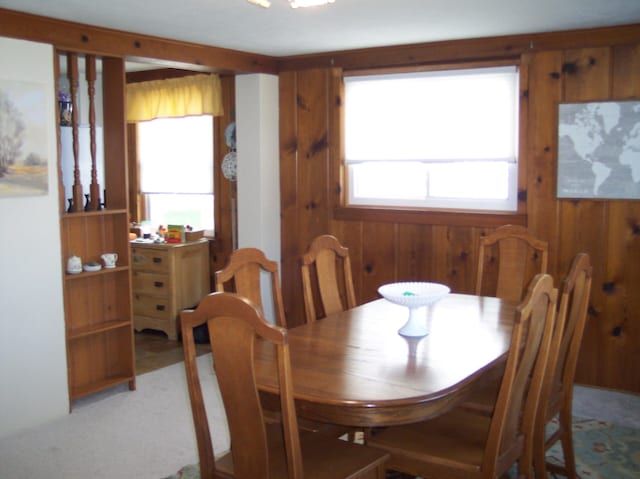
414	296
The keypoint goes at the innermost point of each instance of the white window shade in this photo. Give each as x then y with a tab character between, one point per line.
176	156
459	115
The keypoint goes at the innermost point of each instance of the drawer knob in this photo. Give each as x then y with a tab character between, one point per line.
160	307
157	260
158	284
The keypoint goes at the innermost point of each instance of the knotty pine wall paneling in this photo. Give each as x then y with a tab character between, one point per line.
225	191
585	76
304	173
289	197
413	257
386	247
378	257
543	93
624	239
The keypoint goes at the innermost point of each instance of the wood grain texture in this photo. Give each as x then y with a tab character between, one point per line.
388	245
225	190
103	41
509	46
392	245
353	368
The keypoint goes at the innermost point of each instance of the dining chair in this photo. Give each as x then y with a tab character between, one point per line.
557	392
327	283
259	449
326	271
463	444
557	395
508	258
242	275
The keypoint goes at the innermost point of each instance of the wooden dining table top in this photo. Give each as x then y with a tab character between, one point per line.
353	367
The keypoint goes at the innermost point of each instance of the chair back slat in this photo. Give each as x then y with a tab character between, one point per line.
512	426
242	275
557	394
326	278
188	321
574	303
235	324
508	259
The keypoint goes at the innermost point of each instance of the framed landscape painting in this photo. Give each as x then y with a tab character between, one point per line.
599	150
23	139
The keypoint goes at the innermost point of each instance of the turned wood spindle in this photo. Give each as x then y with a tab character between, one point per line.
72	74
94	189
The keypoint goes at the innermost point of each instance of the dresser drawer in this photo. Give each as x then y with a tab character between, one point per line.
151	306
151	283
150	260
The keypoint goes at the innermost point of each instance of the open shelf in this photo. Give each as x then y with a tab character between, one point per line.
78	392
98	311
83	276
98	329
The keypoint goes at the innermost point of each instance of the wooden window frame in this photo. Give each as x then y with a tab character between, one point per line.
427	216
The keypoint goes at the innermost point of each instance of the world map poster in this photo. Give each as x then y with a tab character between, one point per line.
599	150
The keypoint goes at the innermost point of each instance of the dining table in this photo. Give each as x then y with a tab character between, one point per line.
353	368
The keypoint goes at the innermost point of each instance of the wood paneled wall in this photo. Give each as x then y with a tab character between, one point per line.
562	66
384	250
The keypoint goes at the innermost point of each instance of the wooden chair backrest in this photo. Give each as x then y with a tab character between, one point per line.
574	304
326	278
242	275
188	321
234	324
510	256
512	424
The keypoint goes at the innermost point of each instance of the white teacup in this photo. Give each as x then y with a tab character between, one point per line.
110	259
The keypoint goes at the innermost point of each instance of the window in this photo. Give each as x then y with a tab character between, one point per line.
438	139
176	171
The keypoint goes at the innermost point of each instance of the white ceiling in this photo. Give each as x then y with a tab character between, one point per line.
344	25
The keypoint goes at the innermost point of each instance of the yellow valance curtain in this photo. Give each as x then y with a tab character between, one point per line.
175	97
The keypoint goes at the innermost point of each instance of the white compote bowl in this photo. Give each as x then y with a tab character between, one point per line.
414	296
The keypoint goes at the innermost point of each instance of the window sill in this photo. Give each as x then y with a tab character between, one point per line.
429	217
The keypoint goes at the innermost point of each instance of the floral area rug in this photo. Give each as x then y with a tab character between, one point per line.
603	451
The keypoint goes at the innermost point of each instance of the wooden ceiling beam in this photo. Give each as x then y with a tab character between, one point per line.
489	48
70	36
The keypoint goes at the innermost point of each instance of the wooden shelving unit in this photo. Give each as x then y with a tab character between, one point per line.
98	311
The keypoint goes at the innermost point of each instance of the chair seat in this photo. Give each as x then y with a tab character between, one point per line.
323	457
450	438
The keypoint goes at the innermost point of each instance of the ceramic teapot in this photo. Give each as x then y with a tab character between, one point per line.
74	265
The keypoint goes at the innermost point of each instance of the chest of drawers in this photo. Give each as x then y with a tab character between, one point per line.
167	278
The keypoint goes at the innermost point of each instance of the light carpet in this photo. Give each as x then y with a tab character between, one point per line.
119	434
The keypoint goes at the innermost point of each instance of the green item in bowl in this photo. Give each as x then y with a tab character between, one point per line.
408	293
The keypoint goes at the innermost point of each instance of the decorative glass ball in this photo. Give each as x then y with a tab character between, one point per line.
230	166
